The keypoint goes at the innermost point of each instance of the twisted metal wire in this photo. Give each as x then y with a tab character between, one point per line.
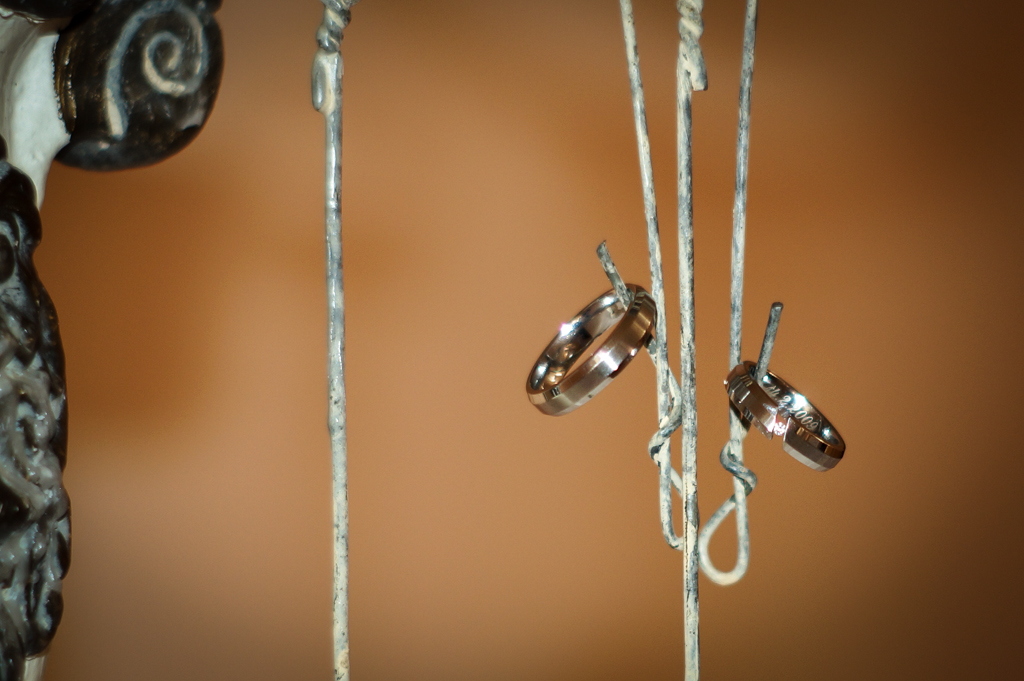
337	15
690	75
691	27
622	292
327	73
732	454
661	437
669	409
743	477
677	402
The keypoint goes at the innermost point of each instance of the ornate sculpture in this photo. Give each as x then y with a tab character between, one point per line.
137	80
47	9
35	527
102	85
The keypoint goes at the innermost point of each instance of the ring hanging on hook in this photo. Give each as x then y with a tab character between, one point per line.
744	479
777	408
555	387
668	423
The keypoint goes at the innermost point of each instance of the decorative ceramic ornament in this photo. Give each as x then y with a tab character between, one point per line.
101	85
137	81
47	9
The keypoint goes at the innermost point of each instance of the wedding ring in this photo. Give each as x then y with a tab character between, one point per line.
751	401
555	387
777	408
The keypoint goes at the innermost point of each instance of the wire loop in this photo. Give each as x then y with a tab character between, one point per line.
744	479
732	456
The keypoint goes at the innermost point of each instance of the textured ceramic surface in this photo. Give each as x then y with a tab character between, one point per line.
137	80
47	9
123	83
35	530
30	121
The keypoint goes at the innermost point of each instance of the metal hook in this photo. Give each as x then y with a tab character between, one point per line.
658	446
732	454
744	479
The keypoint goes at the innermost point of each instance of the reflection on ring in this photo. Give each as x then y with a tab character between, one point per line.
555	386
775	407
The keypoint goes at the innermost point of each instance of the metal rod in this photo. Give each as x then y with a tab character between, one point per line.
659	352
676	403
739	208
621	292
690	75
327	74
675	417
768	344
743	477
732	453
669	414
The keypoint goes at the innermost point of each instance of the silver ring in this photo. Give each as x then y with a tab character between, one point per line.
777	408
555	387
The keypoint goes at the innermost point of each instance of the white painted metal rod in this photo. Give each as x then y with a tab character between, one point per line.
732	453
661	437
327	74
768	344
659	352
621	291
690	75
676	402
747	479
669	414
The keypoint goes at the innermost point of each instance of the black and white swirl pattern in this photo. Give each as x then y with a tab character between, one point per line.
137	80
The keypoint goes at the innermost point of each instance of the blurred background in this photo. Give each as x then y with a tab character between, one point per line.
489	148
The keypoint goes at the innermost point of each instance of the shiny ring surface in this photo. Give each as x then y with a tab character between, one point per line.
777	408
555	387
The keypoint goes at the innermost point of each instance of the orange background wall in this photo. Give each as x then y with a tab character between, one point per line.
489	149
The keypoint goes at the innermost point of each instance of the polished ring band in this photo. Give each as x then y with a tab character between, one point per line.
777	408
555	387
